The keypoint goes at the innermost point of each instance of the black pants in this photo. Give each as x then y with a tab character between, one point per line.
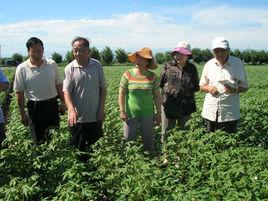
85	134
44	115
2	133
229	126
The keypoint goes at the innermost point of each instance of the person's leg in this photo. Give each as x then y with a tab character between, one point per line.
147	132
2	133
36	122
182	121
77	138
50	116
167	124
229	126
80	134
93	132
211	126
130	129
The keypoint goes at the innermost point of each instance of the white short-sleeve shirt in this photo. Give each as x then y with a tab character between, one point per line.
225	105
38	83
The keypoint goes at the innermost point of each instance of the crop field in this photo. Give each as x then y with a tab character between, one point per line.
201	166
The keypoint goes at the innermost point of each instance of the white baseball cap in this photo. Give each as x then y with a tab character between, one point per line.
220	42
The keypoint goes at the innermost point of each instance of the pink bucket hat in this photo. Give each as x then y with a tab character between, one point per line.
183	47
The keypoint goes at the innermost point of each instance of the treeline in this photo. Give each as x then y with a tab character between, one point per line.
108	57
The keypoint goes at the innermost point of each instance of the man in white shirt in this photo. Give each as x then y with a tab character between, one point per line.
38	78
222	79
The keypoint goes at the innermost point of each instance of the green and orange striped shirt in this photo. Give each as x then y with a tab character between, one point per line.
139	92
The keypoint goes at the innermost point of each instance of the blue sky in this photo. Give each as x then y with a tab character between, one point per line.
132	24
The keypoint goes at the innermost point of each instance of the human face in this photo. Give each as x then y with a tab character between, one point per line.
221	55
180	58
81	52
141	62
36	53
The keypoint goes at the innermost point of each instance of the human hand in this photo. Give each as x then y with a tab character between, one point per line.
157	119
212	89
101	116
123	116
72	117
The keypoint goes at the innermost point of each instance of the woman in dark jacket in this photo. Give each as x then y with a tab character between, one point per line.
179	82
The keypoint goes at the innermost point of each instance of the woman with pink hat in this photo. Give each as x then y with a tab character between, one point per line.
139	97
179	82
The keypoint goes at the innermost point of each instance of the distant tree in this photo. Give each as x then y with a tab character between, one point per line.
94	53
160	58
254	57
246	56
263	57
56	57
17	58
69	57
25	58
2	61
236	53
168	56
207	55
121	55
107	56
197	55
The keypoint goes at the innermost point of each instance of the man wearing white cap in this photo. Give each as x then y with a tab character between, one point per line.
222	79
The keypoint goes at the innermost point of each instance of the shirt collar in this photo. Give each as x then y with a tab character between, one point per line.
228	63
76	64
30	65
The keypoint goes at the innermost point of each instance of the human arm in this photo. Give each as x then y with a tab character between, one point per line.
72	113
4	83
21	103
241	81
101	114
239	89
61	96
195	80
205	85
209	89
4	86
157	102
121	101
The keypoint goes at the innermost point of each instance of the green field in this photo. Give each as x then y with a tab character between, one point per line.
201	166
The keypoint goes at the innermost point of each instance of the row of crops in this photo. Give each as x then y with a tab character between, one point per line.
201	166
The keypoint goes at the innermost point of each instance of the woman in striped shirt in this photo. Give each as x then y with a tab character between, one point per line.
139	98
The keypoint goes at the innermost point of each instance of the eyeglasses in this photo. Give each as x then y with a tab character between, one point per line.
79	50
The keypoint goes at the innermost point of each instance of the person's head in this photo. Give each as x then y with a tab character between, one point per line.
220	48
182	52
143	58
81	50
35	48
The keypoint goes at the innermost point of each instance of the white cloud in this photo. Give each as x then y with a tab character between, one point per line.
226	16
135	30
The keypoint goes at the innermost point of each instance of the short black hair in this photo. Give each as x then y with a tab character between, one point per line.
78	38
33	41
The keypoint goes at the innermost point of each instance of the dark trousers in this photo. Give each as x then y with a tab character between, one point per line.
85	134
2	133
229	126
44	115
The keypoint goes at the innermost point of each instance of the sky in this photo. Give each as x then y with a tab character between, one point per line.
131	25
